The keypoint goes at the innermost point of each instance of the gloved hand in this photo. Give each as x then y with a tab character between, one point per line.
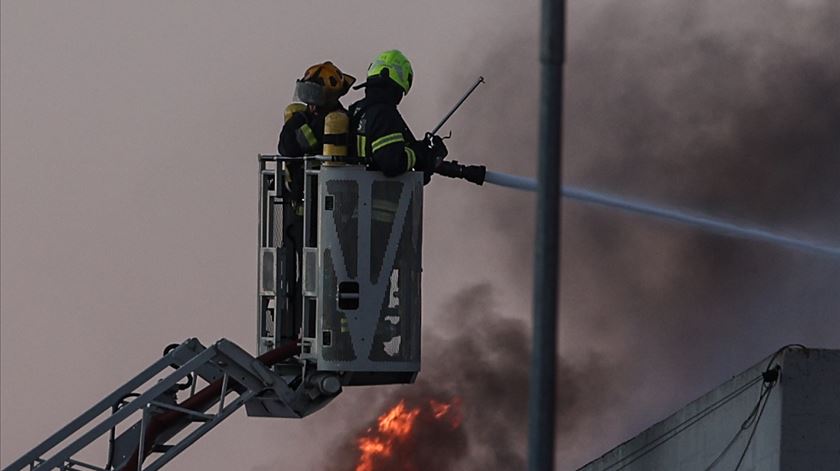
297	120
435	148
430	154
425	163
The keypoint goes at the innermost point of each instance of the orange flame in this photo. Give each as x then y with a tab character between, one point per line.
398	421
395	426
450	411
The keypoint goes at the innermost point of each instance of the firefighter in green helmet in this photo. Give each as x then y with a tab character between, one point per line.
382	139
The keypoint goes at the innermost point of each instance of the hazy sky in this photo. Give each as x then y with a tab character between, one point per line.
129	140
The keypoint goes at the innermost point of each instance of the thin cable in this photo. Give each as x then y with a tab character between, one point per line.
771	378
779	352
745	425
755	426
681	427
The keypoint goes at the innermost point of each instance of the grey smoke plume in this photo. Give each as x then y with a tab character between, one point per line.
485	367
726	108
731	108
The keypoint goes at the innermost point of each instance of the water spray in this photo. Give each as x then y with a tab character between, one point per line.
478	174
697	220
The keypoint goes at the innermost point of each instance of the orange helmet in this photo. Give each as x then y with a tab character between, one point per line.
323	84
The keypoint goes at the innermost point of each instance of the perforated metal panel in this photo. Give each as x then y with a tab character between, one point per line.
369	245
341	274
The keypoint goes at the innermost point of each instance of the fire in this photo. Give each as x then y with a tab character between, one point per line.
398	421
395	427
449	411
439	408
392	426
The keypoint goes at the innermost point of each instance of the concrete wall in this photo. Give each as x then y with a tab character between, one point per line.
799	428
811	411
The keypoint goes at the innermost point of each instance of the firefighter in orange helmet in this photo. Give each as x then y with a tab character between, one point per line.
317	95
316	123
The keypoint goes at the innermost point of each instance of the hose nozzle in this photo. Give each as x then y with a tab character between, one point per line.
470	173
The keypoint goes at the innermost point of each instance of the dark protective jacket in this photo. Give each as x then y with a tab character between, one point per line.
381	137
303	134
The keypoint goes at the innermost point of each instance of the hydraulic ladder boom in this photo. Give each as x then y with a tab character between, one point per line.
225	367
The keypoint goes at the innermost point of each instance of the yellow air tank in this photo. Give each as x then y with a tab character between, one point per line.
336	125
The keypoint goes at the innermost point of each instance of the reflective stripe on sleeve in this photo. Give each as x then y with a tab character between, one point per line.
361	146
308	135
386	140
412	158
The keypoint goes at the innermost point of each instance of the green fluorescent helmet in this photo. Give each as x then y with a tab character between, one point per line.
394	65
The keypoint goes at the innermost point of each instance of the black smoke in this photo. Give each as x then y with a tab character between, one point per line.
731	108
484	367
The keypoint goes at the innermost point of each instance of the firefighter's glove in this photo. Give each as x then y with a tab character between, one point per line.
297	120
427	176
435	148
425	163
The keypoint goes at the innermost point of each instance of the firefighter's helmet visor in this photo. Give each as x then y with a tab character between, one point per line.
311	93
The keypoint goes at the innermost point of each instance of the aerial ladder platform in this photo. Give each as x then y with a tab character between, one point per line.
338	304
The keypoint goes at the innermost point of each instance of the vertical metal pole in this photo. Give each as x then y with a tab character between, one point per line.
541	407
260	230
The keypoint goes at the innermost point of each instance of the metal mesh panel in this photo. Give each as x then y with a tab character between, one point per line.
268	272
334	321
345	194
385	199
369	288
310	265
277	227
397	335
